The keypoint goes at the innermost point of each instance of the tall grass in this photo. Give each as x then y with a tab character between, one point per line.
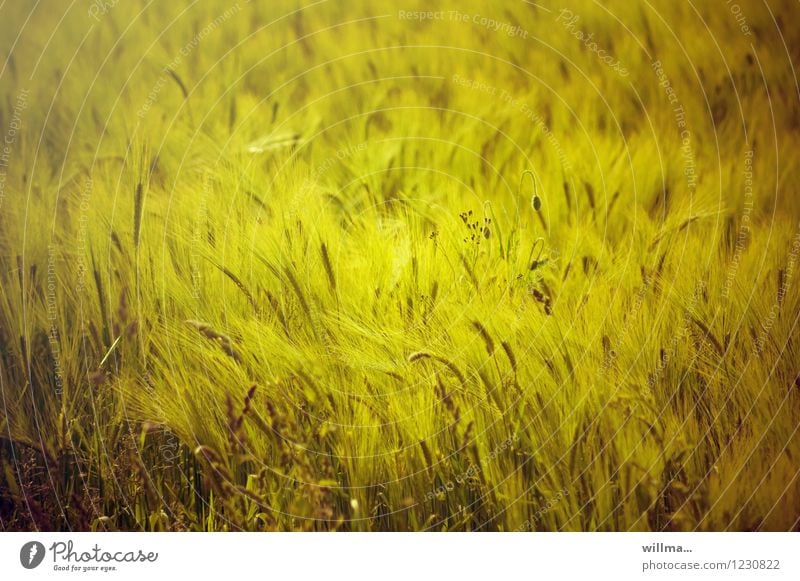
476	321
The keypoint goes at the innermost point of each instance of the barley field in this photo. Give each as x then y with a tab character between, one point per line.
373	266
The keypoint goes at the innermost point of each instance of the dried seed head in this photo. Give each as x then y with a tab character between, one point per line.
487	338
510	354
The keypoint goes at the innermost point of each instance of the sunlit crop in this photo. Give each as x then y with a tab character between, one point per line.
380	266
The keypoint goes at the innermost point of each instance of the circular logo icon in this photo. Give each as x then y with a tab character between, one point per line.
31	554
